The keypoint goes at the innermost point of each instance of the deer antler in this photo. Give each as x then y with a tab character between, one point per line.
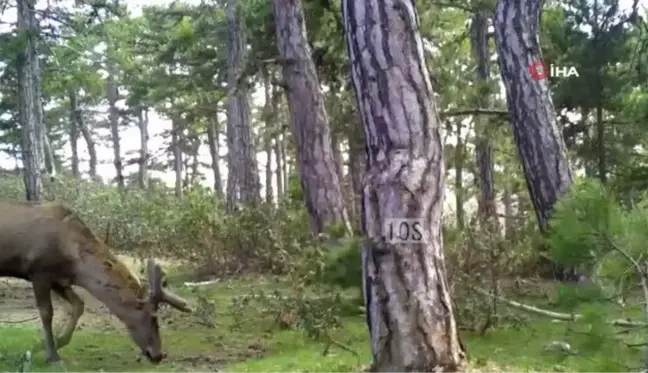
157	291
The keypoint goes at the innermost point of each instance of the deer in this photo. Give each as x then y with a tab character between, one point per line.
49	245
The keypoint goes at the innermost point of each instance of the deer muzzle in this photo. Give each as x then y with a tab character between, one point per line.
154	358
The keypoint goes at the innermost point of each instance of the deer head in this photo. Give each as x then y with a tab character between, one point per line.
144	327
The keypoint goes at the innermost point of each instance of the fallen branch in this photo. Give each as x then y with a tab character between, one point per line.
556	315
18	321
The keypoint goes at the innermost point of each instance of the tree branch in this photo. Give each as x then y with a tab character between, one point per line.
556	315
460	112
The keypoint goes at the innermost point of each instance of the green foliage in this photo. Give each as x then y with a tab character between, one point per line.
583	221
592	230
154	222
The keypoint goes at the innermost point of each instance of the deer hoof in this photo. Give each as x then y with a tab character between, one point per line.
54	360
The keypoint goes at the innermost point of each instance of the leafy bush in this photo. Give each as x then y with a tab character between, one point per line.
154	222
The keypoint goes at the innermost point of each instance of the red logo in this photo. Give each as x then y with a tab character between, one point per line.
539	70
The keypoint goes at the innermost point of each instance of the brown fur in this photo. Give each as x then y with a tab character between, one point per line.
119	272
51	246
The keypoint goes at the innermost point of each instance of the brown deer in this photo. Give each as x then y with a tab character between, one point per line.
50	246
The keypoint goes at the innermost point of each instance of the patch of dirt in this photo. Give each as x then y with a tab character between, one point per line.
18	306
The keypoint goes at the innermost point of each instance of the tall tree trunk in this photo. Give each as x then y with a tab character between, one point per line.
176	146
278	133
238	112
213	138
357	166
409	310
279	170
459	163
487	206
92	149
142	123
600	140
285	162
48	153
29	101
194	175
337	155
507	201
268	170
309	122
269	123
539	141
112	94
75	116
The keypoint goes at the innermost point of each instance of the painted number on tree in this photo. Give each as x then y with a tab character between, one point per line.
405	231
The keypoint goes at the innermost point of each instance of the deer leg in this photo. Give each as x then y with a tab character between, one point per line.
74	313
42	293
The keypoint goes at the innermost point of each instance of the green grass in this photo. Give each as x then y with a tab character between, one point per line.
256	345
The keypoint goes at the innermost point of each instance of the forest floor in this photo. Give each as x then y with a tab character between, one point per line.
101	343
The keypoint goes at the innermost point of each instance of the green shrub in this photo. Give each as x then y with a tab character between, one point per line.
154	222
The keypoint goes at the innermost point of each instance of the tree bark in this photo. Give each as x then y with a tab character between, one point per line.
214	151
459	163
507	201
285	163
486	206
337	155
409	310
29	101
600	142
309	122
75	116
194	142
112	94
92	149
244	162
176	147
278	140
357	167
142	123
539	142
269	123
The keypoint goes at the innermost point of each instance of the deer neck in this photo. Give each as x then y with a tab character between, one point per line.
112	283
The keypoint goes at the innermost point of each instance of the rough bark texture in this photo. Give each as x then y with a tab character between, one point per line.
241	143
539	141
214	151
142	123
29	102
112	94
75	116
309	122
409	310
486	207
357	167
